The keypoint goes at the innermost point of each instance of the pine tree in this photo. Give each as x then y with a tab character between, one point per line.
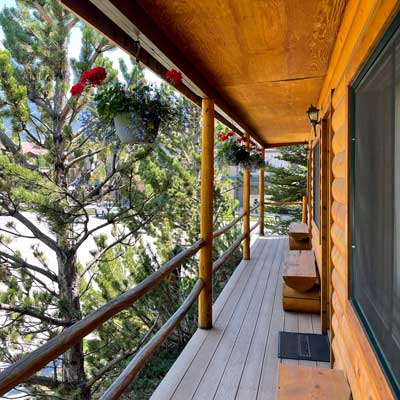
161	184
287	183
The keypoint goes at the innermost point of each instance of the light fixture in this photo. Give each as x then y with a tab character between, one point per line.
312	114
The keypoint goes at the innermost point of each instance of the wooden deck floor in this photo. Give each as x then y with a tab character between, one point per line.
237	359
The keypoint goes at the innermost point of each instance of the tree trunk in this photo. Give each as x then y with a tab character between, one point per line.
73	368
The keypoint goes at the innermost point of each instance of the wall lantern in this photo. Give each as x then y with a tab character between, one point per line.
312	114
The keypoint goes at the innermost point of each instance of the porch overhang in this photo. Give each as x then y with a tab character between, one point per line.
263	63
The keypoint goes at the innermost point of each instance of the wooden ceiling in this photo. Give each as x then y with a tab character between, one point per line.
263	60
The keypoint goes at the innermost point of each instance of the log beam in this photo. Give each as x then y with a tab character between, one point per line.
246	206
304	210
206	213
261	190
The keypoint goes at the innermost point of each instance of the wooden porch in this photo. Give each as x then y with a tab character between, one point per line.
237	359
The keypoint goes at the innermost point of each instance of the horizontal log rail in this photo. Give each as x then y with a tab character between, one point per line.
255	225
283	203
226	228
225	255
254	208
39	358
129	373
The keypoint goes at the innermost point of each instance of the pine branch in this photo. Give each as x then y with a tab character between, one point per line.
17	234
105	250
43	13
14	149
35	314
40	102
23	264
83	156
116	360
47	240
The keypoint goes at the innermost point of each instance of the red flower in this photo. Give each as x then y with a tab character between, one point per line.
77	89
230	134
94	76
241	139
174	76
222	137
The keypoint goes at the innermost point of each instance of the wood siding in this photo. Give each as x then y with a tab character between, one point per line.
364	22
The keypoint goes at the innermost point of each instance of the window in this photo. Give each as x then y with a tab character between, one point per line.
316	186
375	202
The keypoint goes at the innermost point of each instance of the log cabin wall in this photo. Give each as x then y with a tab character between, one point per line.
363	24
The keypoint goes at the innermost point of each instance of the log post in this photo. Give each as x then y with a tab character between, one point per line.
206	213
261	190
304	211
246	206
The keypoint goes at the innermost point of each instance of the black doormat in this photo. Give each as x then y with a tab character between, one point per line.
303	346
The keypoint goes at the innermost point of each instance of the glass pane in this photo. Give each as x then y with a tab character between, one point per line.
376	191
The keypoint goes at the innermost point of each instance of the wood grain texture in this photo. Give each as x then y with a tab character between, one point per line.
362	24
338	237
339	190
299	271
246	206
304	383
339	215
237	359
267	59
339	165
206	213
304	302
299	244
299	231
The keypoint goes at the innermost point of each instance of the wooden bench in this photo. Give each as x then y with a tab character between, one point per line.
299	270
298	382
307	302
301	291
299	236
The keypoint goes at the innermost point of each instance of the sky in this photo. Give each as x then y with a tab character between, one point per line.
74	47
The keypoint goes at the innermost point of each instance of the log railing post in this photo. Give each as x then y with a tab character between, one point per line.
246	206
262	195
206	213
304	211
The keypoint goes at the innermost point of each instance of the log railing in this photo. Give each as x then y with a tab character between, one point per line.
283	203
129	373
38	359
226	228
202	290
302	203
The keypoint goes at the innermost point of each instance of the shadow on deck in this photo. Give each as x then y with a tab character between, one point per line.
237	359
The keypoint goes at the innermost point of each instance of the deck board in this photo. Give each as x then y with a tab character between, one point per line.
237	359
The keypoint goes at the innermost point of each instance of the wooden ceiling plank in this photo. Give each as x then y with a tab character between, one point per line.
262	63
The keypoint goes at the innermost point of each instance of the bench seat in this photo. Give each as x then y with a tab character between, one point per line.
298	382
299	236
299	270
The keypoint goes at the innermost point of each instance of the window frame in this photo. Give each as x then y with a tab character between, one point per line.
390	33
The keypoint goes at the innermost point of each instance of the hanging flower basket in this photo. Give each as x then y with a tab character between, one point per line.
137	112
132	129
231	151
